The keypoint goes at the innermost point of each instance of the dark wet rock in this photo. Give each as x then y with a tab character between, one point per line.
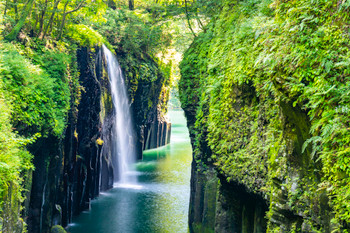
72	170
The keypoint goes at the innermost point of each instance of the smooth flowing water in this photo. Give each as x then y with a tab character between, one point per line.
123	135
160	201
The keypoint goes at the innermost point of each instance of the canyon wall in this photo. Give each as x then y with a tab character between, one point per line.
71	170
261	106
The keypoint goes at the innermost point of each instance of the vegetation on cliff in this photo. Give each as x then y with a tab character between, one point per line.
267	83
265	87
15	161
39	78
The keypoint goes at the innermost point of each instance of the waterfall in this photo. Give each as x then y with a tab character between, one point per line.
123	136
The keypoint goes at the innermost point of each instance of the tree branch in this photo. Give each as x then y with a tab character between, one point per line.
77	8
188	19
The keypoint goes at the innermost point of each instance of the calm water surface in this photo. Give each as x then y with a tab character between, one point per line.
158	203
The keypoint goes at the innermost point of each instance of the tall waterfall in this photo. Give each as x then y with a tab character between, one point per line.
123	136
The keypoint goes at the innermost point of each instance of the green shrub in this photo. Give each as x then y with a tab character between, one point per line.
40	98
134	32
15	161
57	229
86	36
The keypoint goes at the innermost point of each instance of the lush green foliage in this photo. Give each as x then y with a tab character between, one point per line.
14	159
34	101
39	78
40	98
15	162
137	38
86	36
49	19
36	81
57	229
135	32
269	85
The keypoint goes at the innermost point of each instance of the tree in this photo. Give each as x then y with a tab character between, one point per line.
49	24
111	4
188	19
41	17
65	13
131	5
17	28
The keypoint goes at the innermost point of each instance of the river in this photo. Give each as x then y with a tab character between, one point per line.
160	200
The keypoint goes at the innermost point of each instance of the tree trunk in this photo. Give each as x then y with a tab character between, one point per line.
64	16
131	5
199	21
33	17
36	18
16	9
60	31
13	34
49	25
41	20
6	7
189	20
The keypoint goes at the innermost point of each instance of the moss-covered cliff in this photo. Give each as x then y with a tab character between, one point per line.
137	41
36	102
265	90
55	153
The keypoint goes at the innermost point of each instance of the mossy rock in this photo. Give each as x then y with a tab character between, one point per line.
58	229
197	227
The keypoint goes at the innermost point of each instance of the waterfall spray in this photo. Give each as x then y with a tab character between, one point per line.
123	136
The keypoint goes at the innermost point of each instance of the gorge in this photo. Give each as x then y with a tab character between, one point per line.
89	151
85	88
159	201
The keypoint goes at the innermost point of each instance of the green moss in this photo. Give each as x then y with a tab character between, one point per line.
58	229
15	160
197	227
40	95
265	87
85	36
106	104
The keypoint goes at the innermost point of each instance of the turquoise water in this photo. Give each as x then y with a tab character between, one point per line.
158	203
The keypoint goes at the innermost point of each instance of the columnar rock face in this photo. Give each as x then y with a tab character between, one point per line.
149	108
73	169
215	204
157	133
68	170
45	182
87	164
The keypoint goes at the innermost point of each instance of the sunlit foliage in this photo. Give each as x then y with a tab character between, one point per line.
259	68
39	82
40	98
15	162
49	19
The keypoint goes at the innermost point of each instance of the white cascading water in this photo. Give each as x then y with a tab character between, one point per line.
123	136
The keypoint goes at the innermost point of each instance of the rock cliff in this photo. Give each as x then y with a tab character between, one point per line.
71	170
261	106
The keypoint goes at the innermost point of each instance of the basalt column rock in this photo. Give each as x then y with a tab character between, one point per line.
219	206
70	171
47	162
157	132
73	169
149	109
87	167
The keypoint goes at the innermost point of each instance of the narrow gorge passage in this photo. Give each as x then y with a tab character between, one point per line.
159	203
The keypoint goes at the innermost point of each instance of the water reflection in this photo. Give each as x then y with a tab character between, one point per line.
160	201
